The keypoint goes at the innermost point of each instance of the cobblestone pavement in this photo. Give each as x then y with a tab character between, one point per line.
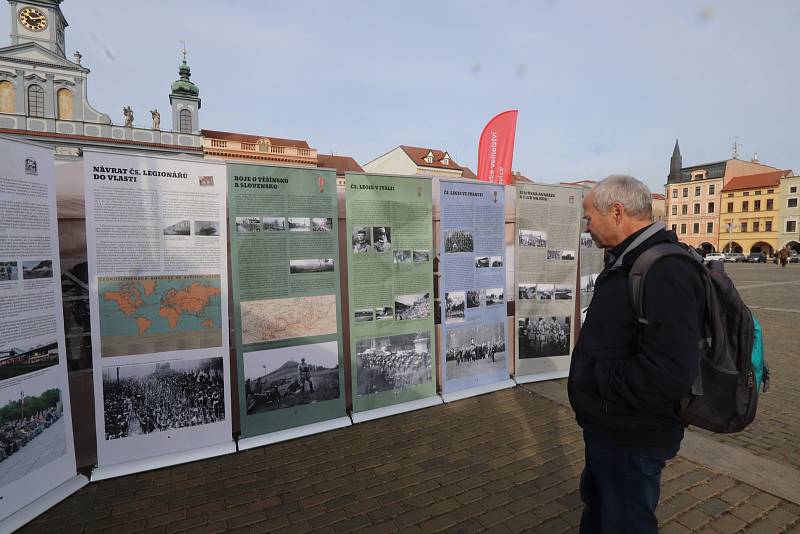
503	462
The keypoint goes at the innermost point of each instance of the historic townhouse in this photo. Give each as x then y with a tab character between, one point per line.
789	213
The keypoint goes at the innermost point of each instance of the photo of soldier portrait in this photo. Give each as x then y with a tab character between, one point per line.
554	255
385	313
475	297
458	241
361	240
382	239
532	238
474	350
248	225
568	255
274	224
321	224
409	307
393	363
454	307
494	296
291	376
539	336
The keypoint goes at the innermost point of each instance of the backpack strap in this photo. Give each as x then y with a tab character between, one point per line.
641	267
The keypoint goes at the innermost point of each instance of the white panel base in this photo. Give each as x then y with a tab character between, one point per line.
553	375
386	411
478	390
157	462
42	504
293	433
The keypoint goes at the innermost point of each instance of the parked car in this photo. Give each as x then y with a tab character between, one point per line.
713	256
735	257
756	257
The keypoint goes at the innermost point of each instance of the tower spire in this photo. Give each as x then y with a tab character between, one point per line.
675	164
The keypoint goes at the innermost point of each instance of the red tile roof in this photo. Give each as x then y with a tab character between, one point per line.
342	164
417	155
586	184
752	181
466	172
658	196
247	138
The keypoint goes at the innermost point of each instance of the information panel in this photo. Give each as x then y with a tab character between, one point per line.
36	446
591	261
156	243
548	228
472	284
285	271
390	279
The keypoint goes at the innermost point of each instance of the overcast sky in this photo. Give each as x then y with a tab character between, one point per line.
601	87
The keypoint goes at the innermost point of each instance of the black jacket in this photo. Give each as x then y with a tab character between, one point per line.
625	381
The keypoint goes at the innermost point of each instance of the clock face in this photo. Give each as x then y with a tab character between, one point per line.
33	19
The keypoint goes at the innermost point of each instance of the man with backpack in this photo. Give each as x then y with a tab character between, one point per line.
627	376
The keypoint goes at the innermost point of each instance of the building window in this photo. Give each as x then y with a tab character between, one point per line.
758	192
185	125
756	226
674	209
675	228
710	207
770	191
791	227
768	226
791	202
711	189
64	104
697	208
757	205
697	191
769	204
7	97
745	206
744	226
746	194
730	207
696	228
710	228
675	192
35	101
685	192
730	195
793	189
683	228
684	210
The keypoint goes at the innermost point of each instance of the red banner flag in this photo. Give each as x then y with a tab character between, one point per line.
496	148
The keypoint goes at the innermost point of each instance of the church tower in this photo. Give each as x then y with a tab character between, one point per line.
38	21
675	164
185	102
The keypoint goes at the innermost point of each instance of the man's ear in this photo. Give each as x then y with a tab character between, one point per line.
618	211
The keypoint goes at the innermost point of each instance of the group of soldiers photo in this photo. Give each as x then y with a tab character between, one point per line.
458	241
541	336
403	362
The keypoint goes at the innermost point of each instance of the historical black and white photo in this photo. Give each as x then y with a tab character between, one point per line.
586	240
553	254
540	336
162	396
248	225
562	291
274	224
475	297
474	350
527	291
421	256
206	228
384	313
458	241
299	224
321	265
361	240
183	227
454	306
415	306
22	359
481	262
496	261
393	362
381	238
544	291
9	271
291	376
494	296
587	284
364	315
568	255
402	256
532	238
37	269
321	224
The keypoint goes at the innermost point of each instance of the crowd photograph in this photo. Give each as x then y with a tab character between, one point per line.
474	349
553	254
586	240
454	306
458	241
274	224
532	238
322	265
248	225
157	397
392	363
568	255
408	307
540	336
23	419
291	376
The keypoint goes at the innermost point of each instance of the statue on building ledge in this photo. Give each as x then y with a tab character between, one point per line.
128	112
156	119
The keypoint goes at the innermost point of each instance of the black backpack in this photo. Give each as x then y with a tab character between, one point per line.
724	397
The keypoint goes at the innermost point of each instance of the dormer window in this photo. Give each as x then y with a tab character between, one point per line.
446	159
429	157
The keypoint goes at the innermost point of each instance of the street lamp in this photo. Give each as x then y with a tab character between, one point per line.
730	238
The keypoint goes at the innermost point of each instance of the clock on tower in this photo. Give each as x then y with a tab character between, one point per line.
38	21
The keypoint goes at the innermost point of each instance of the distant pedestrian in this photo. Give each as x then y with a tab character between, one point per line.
783	256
